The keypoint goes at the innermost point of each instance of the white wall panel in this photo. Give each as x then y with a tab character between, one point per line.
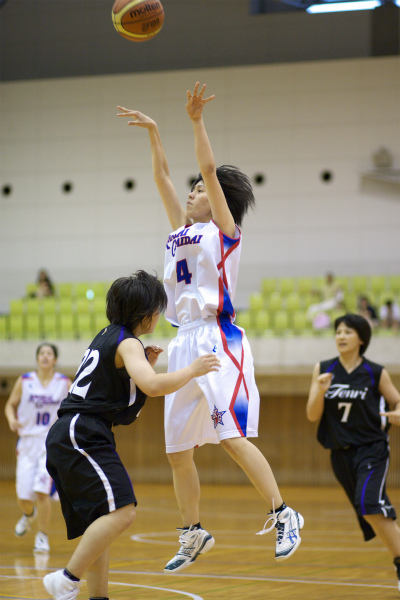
289	122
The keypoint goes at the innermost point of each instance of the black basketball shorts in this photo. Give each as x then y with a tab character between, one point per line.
362	471
87	471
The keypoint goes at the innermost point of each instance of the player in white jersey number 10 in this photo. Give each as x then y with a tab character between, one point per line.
31	410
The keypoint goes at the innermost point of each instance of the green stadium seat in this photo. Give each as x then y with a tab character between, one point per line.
66	306
81	289
97	288
256	302
244	320
281	322
359	284
83	306
268	285
4	334
33	327
33	306
274	302
30	289
49	305
85	326
17	326
293	302
65	290
262	323
286	285
50	325
67	328
300	323
394	285
305	285
17	306
377	284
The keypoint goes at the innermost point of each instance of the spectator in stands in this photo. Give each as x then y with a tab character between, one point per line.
389	314
44	285
366	310
331	297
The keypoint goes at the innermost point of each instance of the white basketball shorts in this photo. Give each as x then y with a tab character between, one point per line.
220	405
32	475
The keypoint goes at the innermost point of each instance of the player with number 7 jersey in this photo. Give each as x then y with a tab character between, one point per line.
355	401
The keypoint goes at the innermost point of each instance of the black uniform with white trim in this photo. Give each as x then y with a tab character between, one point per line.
353	429
81	456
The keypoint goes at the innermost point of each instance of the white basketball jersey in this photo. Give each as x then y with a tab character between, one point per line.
200	273
38	406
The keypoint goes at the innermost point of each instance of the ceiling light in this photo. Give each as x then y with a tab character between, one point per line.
343	6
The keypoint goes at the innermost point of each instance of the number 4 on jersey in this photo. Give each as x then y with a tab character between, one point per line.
182	271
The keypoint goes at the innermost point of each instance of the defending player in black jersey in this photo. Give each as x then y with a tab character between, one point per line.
355	401
110	388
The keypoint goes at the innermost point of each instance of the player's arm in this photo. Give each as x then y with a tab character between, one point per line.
320	384
392	397
12	404
174	210
130	351
221	214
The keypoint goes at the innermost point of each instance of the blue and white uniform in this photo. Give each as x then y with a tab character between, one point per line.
200	276
37	411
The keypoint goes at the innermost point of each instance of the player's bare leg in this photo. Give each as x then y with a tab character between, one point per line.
186	485
97	576
287	521
98	537
194	539
387	531
256	467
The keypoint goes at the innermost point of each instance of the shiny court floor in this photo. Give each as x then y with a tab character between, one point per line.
332	562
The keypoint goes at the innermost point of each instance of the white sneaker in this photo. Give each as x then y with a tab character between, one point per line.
41	544
60	587
193	542
24	524
288	523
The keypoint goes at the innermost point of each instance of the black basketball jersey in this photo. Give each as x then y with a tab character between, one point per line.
99	388
352	406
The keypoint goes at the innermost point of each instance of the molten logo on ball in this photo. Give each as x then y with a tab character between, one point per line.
138	20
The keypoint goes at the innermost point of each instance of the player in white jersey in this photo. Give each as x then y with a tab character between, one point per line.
201	267
31	410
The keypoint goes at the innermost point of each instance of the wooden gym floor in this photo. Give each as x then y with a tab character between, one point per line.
332	562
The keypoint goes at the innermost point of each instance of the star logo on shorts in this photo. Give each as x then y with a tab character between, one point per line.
217	416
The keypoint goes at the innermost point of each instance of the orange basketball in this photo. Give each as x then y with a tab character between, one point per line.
138	20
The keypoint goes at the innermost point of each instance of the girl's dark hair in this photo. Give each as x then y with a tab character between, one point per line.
52	346
360	325
237	190
134	298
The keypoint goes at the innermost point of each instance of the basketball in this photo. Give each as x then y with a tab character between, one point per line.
138	20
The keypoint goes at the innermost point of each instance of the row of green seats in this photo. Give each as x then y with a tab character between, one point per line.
355	284
63	325
295	301
49	305
79	289
282	323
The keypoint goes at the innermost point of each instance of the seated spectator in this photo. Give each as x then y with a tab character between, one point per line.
366	310
44	285
389	314
331	295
